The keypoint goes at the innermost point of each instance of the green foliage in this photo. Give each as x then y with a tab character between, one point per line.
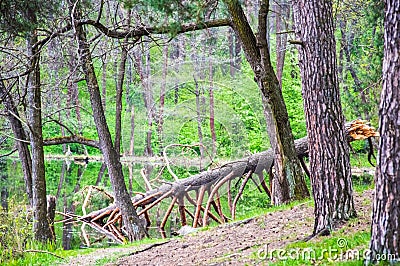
15	231
25	15
175	12
291	90
364	37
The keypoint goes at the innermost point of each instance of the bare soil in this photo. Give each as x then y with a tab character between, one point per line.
232	244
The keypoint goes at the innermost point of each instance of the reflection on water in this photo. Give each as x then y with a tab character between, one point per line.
69	182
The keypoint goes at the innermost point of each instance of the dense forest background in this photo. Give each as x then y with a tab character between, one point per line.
165	76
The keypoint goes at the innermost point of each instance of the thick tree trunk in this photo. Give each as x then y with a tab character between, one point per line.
132	223
385	235
290	178
41	226
19	133
329	152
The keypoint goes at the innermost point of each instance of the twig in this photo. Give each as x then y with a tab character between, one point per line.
210	197
198	205
155	202
146	180
168	212
149	247
240	192
146	199
8	154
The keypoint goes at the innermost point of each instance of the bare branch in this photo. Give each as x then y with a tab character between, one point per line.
8	154
146	31
72	139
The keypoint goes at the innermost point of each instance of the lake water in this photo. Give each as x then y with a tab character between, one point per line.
69	182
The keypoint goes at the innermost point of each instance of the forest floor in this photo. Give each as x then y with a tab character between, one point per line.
238	243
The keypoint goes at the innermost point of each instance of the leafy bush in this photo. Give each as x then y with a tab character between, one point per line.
15	231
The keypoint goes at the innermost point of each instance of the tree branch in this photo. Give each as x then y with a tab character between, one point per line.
72	139
146	31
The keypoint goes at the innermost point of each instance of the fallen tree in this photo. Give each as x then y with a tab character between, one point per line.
108	222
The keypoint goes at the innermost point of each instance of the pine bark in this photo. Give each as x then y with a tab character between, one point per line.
385	235
132	223
329	151
290	182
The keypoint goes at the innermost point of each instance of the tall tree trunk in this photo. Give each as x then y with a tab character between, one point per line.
235	49
385	235
104	80
282	13
238	53
231	52
329	152
149	98
342	43
132	138
119	90
19	133
199	118
347	40
162	98
41	226
211	95
143	70
73	93
290	179
133	225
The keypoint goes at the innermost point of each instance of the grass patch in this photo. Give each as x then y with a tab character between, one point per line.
271	208
38	258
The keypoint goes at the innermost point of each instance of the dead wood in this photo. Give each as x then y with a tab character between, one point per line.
211	181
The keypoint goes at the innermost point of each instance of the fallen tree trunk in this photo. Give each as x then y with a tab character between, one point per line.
210	181
256	163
